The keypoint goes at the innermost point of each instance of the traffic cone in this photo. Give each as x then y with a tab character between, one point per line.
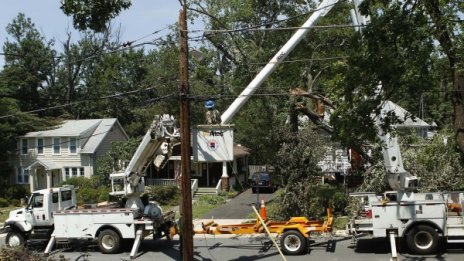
262	210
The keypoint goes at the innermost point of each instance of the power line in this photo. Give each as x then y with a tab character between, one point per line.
335	26
78	102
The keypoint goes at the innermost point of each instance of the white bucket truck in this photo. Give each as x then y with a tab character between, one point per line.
52	215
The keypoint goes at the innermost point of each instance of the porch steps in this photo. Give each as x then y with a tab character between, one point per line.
204	191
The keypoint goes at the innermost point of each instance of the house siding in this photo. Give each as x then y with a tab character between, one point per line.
65	159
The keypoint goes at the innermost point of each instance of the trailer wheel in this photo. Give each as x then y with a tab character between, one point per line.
14	239
423	240
109	241
293	242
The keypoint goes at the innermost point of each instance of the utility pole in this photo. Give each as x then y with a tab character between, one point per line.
186	201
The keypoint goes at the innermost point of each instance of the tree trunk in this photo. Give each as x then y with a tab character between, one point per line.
458	103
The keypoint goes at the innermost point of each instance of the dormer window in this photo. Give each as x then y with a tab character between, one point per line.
72	145
24	146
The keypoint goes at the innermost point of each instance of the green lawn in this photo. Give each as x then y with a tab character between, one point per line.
4	212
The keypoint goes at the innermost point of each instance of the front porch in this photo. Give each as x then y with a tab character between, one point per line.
44	174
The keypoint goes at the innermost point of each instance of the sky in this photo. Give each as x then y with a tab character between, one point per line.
141	19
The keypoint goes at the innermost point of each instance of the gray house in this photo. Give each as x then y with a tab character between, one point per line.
46	158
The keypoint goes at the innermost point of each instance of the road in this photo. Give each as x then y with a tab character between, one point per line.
239	207
258	247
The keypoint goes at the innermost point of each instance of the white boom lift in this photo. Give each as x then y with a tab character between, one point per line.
52	214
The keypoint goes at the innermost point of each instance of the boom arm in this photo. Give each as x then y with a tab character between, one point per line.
398	178
155	147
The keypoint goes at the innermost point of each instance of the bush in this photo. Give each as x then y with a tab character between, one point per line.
4	203
87	195
16	192
15	202
164	195
83	182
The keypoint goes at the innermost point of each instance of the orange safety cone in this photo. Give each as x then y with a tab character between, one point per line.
262	210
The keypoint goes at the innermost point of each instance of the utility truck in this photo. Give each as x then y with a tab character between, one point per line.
52	214
422	219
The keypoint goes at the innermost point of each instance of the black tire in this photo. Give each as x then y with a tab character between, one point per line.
253	190
14	239
109	241
423	240
293	242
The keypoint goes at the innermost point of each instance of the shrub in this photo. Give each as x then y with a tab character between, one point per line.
87	195
4	203
16	191
15	202
83	182
164	195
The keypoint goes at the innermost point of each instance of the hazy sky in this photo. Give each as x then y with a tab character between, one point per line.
141	19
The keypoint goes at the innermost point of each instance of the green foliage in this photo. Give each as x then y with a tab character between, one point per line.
120	152
439	167
89	190
4	203
164	195
14	191
93	14
214	200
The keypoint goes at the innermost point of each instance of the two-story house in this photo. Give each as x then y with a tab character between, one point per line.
46	158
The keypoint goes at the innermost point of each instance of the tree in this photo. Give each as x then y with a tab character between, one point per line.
93	14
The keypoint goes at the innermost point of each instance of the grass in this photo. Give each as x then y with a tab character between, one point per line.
4	213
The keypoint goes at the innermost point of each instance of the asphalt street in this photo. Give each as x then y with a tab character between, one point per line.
259	247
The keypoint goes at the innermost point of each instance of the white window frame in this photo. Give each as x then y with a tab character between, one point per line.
22	176
70	145
38	147
24	149
70	171
55	144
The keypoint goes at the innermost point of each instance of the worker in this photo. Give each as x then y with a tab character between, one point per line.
212	115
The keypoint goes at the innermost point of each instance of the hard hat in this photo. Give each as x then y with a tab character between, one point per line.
209	104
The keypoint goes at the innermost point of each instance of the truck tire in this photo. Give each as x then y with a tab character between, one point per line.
293	242
14	239
423	240
109	241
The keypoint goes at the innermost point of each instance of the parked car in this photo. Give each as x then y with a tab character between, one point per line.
262	181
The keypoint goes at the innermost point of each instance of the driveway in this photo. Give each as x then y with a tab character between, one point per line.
240	206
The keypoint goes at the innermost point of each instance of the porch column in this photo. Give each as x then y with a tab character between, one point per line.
49	178
224	177
32	175
63	175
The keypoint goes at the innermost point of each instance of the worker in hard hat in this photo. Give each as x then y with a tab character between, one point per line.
212	115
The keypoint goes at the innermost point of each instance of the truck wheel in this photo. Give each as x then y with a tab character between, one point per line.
14	239
109	241
293	242
423	240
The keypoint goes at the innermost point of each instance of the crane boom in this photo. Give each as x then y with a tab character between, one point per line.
155	147
321	11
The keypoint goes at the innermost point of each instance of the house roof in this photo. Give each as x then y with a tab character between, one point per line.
69	128
99	134
240	151
405	116
49	165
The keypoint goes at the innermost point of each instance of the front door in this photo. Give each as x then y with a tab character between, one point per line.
41	177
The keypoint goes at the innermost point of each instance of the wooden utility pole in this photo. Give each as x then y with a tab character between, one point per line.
186	190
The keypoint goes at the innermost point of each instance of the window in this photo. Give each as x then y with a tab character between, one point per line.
22	175
72	145
56	145
40	146
55	197
24	147
38	200
74	172
66	195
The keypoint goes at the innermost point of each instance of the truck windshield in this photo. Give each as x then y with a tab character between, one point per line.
36	201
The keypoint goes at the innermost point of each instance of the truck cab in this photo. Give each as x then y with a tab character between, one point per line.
36	219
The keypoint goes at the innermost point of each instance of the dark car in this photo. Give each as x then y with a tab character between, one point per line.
261	182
